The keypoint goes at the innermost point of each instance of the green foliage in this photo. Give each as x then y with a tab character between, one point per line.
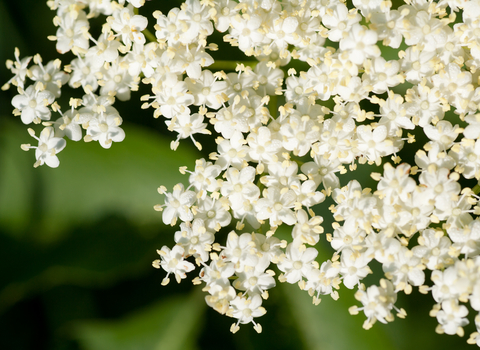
169	324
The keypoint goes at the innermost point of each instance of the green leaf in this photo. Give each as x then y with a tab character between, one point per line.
17	179
96	255
90	182
172	324
329	326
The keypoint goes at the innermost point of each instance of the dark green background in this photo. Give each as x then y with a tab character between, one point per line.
76	243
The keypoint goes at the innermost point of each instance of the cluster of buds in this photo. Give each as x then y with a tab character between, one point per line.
284	138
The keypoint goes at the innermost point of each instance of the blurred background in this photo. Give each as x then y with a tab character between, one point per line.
77	242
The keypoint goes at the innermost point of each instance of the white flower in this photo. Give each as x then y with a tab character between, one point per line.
19	68
452	317
378	303
247	32
116	80
372	143
239	187
105	129
71	31
299	133
172	261
178	204
128	26
240	251
213	212
354	267
33	105
204	177
245	309
50	75
276	206
254	280
197	17
297	262
194	238
340	21
48	147
263	147
396	183
207	90
186	125
173	97
360	44
405	270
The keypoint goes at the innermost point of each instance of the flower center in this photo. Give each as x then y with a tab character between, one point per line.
246	32
103	127
297	265
173	263
299	90
394	183
333	141
43	147
300	136
452	87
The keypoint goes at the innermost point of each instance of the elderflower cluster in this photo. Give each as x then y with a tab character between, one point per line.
284	138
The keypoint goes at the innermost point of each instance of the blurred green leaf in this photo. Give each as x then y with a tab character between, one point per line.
90	183
16	178
96	255
329	326
172	324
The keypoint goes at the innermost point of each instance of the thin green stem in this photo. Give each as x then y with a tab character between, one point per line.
273	106
476	189
148	34
230	65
